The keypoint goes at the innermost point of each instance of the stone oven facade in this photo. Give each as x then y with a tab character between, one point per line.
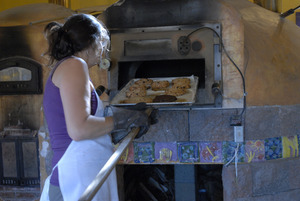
265	48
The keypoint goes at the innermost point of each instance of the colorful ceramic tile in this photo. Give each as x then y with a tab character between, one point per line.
144	152
210	152
228	151
298	142
166	152
188	152
255	150
273	148
128	156
290	147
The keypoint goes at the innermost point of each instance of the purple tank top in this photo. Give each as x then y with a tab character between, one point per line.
54	114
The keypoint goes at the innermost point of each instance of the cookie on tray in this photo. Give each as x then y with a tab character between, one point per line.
182	83
136	86
136	92
160	85
144	82
175	91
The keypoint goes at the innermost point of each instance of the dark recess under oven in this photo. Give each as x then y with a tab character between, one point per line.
169	182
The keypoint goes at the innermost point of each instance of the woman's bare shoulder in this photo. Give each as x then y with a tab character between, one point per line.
73	67
74	61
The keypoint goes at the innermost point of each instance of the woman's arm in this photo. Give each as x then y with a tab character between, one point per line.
72	78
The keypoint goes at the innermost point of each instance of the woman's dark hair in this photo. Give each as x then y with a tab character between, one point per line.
79	32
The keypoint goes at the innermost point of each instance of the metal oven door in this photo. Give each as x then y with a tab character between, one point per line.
20	75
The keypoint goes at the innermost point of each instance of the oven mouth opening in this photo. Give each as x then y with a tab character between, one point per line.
129	70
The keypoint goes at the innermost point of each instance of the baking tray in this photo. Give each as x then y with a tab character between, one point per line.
187	98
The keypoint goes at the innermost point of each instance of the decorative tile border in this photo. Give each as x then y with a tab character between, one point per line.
229	149
273	148
290	147
166	152
128	156
255	151
210	152
143	152
188	152
298	142
198	152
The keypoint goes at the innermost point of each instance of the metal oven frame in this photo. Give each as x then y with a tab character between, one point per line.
185	42
19	86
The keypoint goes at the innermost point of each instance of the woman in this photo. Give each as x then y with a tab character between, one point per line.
78	129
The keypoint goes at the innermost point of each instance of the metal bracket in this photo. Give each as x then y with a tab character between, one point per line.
184	45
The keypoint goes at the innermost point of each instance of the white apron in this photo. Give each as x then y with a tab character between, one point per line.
79	166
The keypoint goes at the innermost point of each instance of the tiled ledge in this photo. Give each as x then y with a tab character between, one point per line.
201	152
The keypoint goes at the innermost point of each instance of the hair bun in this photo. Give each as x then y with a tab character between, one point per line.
51	28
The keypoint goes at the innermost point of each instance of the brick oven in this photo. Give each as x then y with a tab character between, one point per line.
165	39
185	155
239	142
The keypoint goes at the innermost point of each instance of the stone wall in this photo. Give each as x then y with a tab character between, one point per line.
266	172
276	180
268	180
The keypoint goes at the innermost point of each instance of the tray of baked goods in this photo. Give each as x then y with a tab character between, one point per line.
158	91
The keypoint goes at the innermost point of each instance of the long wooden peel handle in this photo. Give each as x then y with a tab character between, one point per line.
96	184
